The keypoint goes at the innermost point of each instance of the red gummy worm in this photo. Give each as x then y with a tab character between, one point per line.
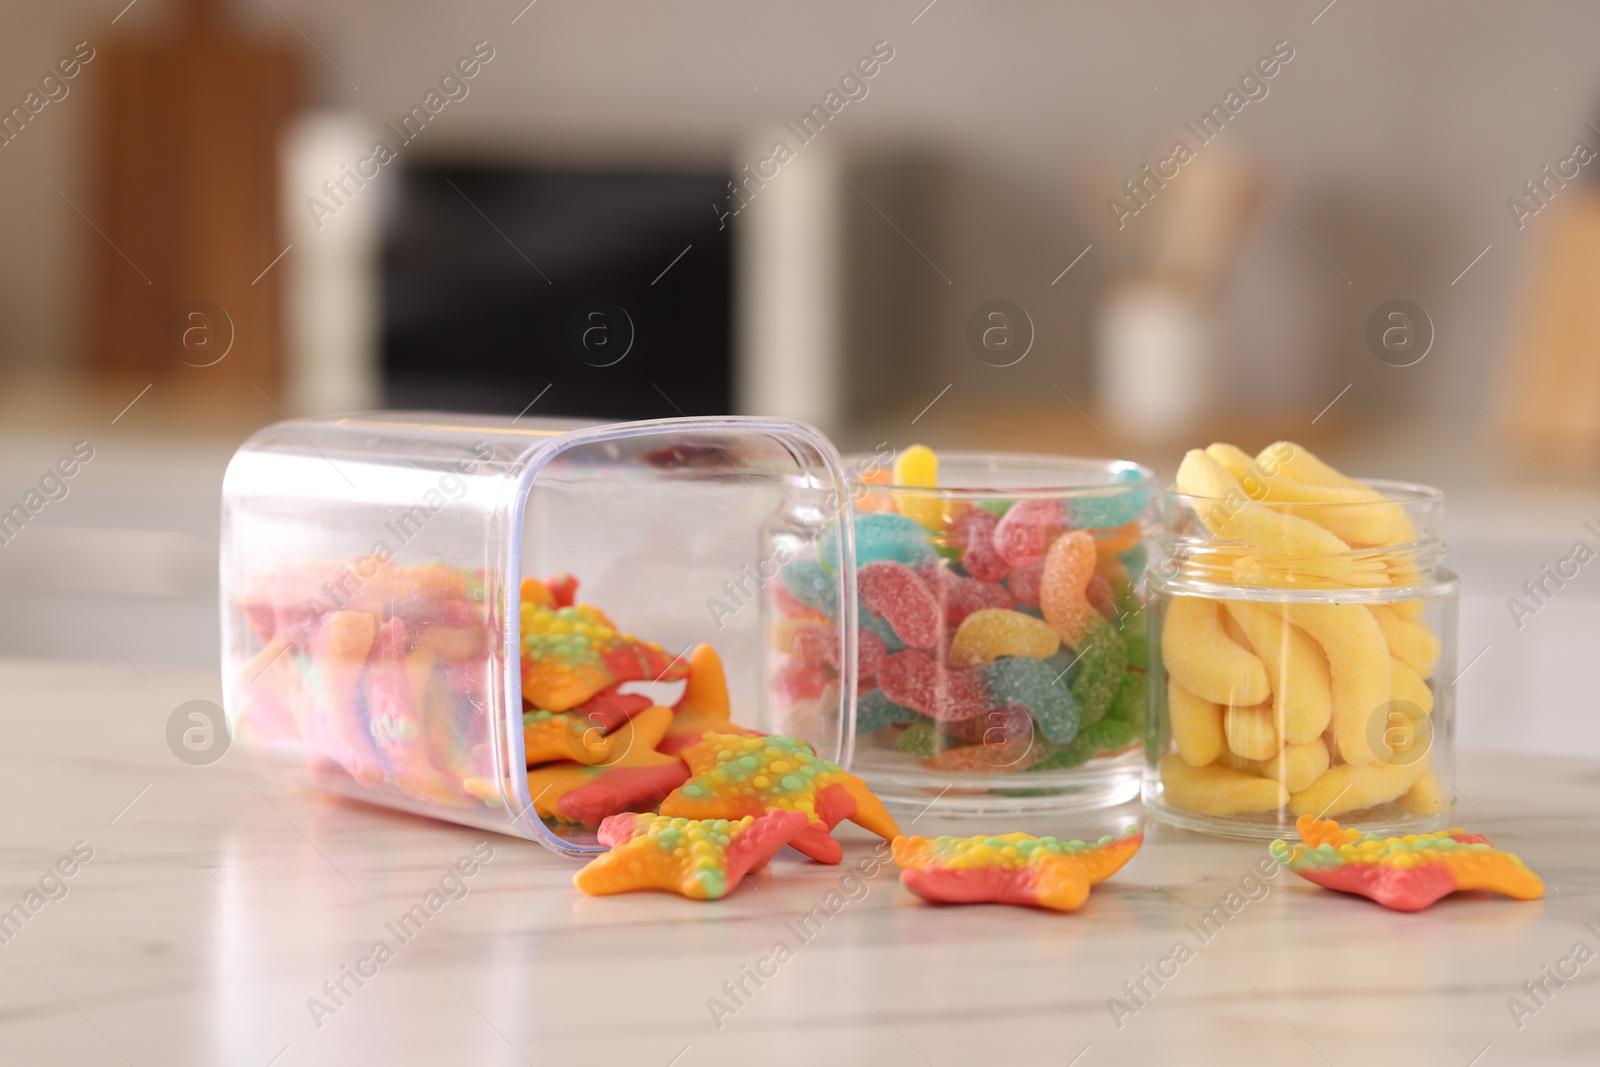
1023	533
894	591
974	533
912	680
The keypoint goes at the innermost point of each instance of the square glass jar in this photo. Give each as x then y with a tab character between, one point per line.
970	696
372	574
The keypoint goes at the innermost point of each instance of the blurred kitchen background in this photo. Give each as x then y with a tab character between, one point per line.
978	232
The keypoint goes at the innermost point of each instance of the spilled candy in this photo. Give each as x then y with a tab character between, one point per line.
1041	872
702	859
1403	873
735	776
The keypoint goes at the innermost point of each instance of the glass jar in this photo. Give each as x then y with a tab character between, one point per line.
1287	683
983	679
378	628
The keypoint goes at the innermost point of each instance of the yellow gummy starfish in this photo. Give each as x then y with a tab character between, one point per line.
1011	868
633	744
702	860
563	735
735	776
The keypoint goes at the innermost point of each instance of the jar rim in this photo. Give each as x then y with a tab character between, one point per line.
1021	464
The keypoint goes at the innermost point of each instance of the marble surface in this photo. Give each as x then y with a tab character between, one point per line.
219	899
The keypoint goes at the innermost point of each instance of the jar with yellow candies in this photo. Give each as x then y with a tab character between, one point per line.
1302	647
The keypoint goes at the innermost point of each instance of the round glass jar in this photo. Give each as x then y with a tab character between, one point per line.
968	694
1286	683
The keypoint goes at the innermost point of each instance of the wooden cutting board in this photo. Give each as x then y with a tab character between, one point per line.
185	170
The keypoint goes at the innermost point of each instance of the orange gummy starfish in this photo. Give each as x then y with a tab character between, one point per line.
570	653
1043	872
735	776
633	773
703	708
1403	873
699	859
563	735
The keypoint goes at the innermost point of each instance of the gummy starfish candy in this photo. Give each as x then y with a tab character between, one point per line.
633	775
563	735
571	653
1403	873
735	776
1042	872
703	708
699	859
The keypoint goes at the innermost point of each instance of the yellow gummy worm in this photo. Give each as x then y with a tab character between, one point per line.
1196	726
1297	462
1348	519
1198	652
1427	797
1411	642
919	465
1406	609
1296	766
1406	684
1250	731
1231	514
1302	696
990	633
1216	790
1346	788
1358	665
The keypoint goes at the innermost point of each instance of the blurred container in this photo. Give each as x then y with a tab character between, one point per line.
371	569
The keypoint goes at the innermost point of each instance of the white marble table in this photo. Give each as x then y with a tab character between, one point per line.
218	902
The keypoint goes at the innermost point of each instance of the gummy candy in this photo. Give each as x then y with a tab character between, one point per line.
961	596
1023	534
918	465
1102	662
1200	655
1302	696
1106	508
1025	582
993	632
807	582
1020	869
562	735
1403	873
570	654
610	709
1032	683
883	536
698	859
1215	790
735	776
973	533
1068	568
633	746
874	711
1100	597
893	591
